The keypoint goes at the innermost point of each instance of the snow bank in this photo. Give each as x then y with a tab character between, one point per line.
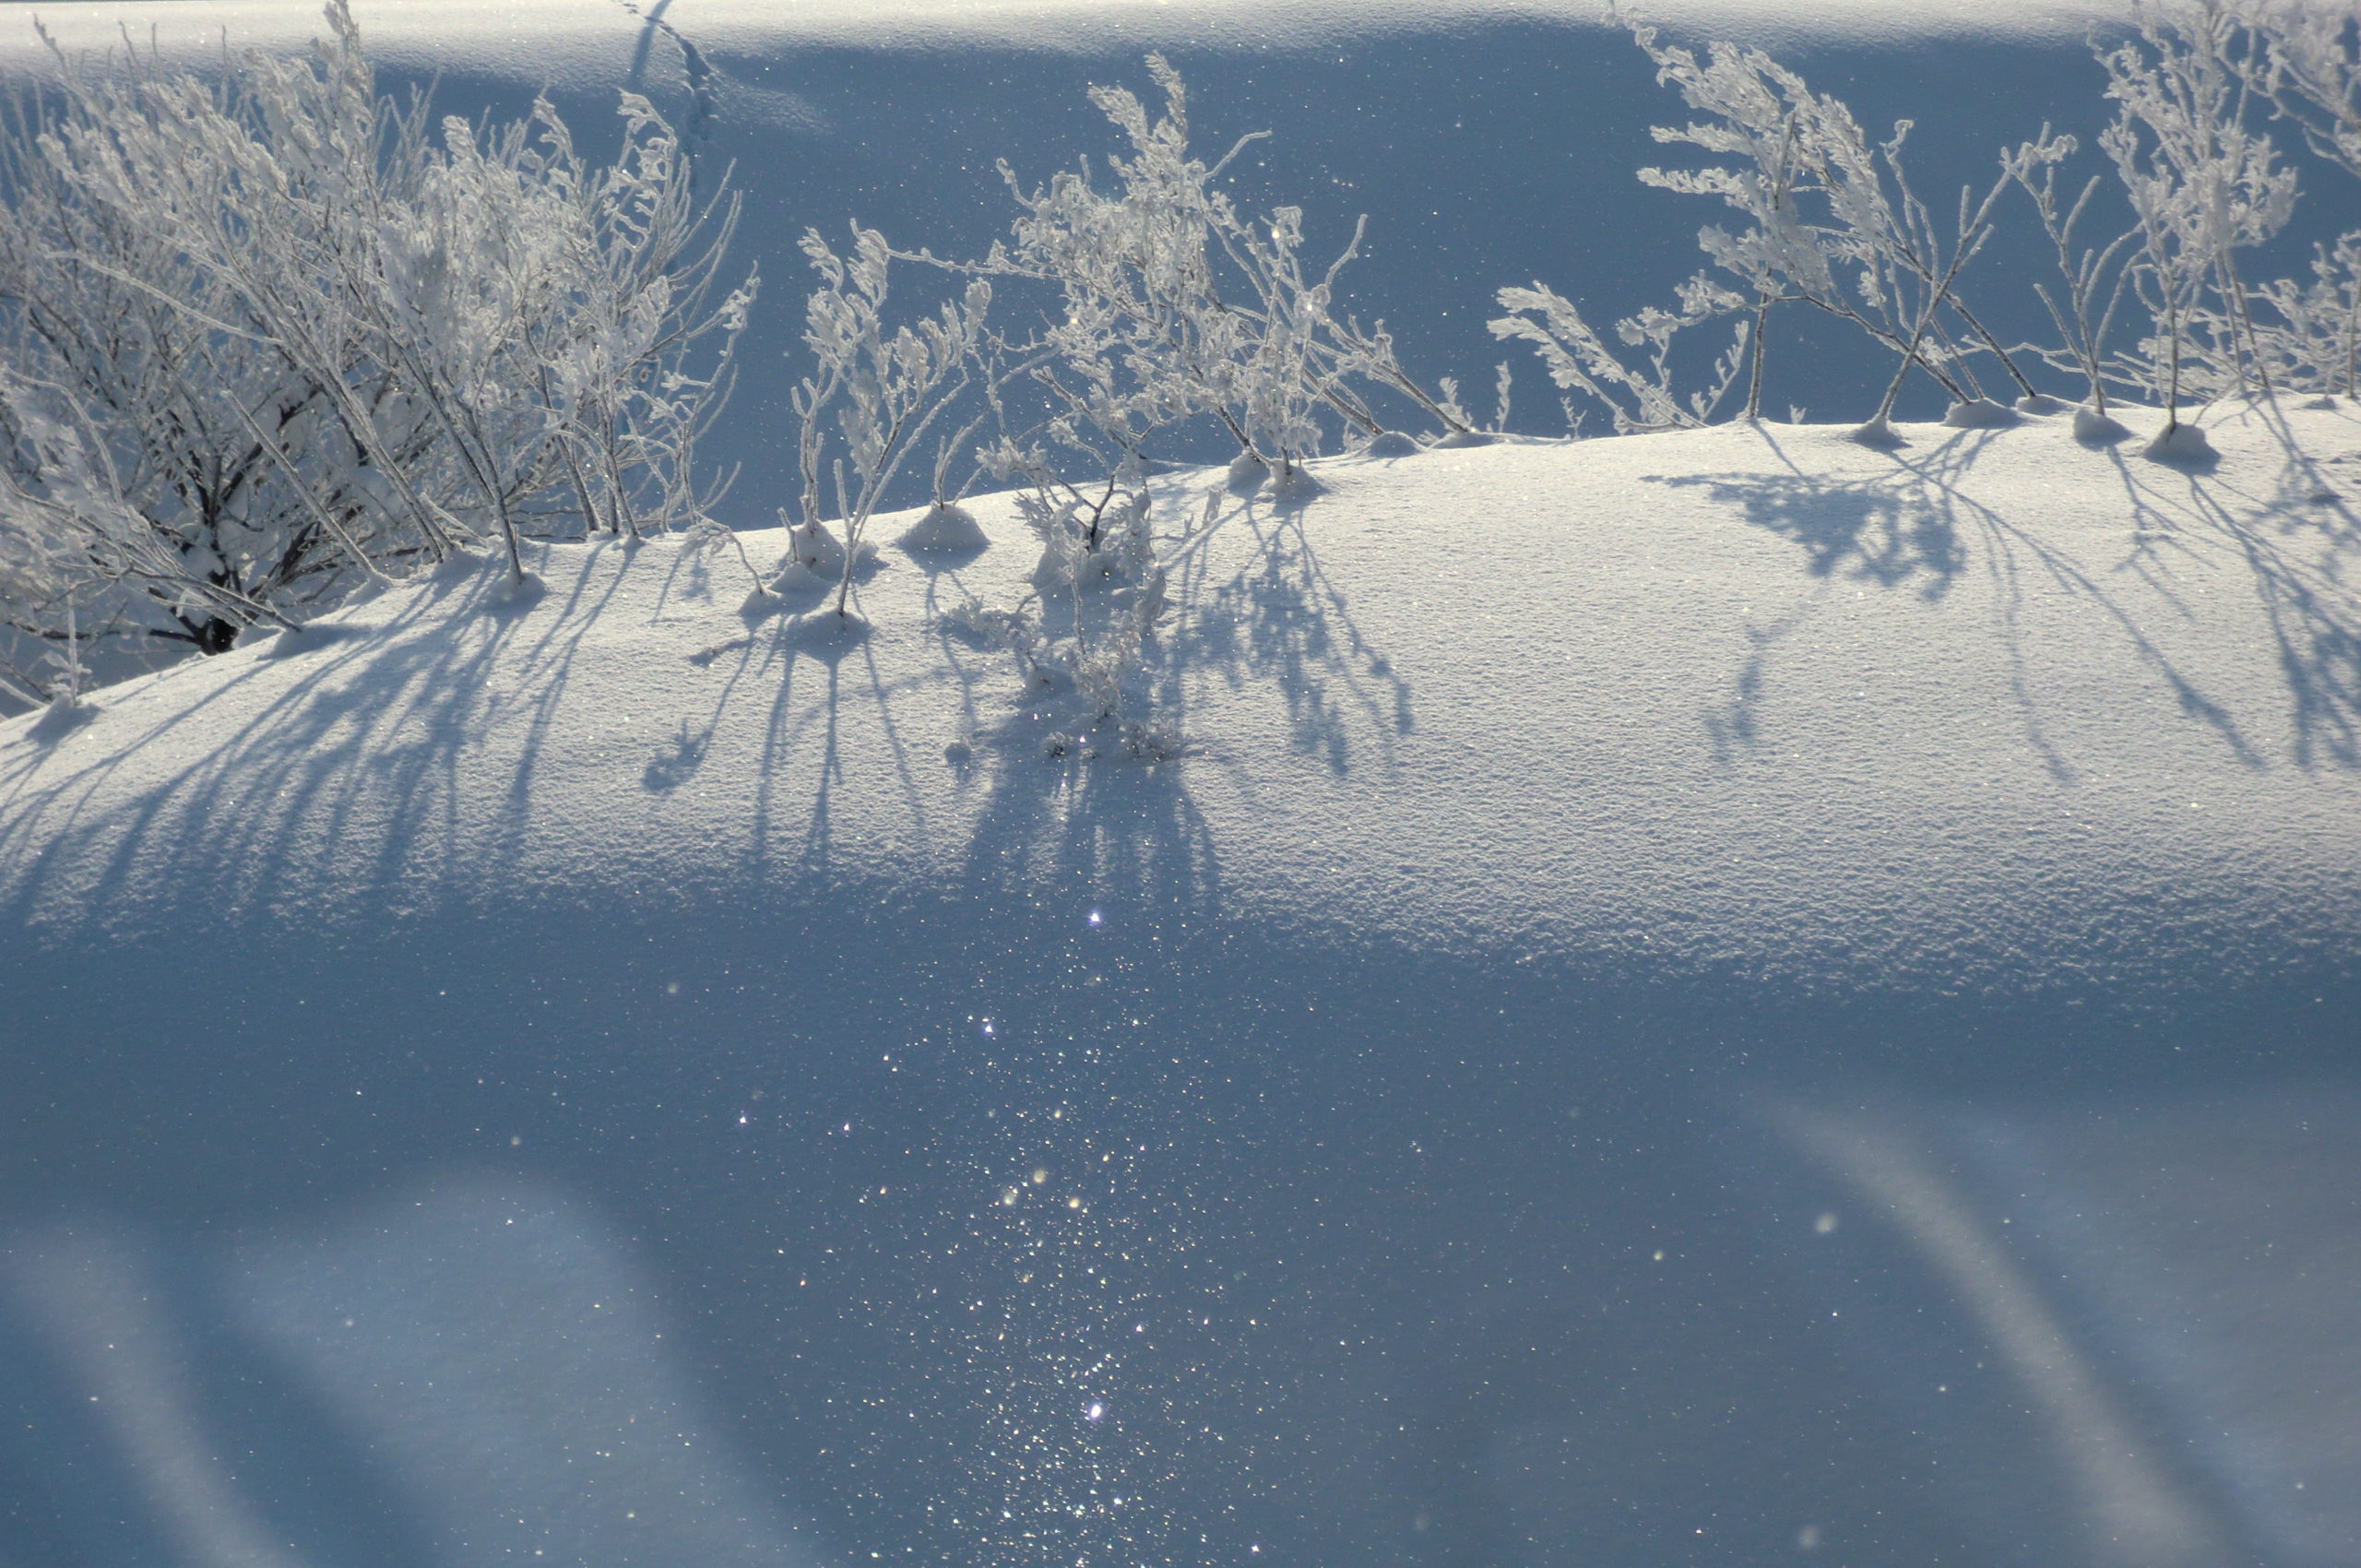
1724	976
1993	712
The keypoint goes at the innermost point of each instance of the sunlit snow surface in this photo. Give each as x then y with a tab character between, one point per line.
1675	988
1996	713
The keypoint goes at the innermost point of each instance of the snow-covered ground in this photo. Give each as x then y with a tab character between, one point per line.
1996	713
1715	997
1785	897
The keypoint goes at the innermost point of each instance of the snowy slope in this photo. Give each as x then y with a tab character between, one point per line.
1997	713
1698	983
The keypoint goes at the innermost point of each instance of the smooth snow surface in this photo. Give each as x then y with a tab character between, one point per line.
1993	712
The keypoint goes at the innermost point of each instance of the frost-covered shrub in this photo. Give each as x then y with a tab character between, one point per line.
1831	221
2203	184
2307	59
1171	305
882	389
1083	638
271	335
2093	278
1835	221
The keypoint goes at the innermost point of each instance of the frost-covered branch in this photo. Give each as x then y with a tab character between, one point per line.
1580	361
2305	56
2310	338
271	335
1832	221
883	389
2203	184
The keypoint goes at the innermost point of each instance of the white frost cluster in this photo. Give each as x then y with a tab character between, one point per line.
268	338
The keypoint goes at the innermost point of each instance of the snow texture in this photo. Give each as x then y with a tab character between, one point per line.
947	528
1991	712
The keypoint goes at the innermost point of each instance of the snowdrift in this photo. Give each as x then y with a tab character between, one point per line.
1702	997
1596	875
1993	715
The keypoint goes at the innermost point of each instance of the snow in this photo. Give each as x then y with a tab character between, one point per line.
2184	443
1669	999
1981	413
1993	712
1585	864
945	528
572	41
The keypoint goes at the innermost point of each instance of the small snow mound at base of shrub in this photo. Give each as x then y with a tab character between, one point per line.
1247	474
1979	413
826	634
946	528
516	590
2320	404
814	548
1464	438
457	567
1294	482
2092	428
1064	567
65	713
1391	443
794	585
765	600
1878	433
2181	444
2041	403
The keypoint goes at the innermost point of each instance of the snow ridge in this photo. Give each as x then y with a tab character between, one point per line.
1991	712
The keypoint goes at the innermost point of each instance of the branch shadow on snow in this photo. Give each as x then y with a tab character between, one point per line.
1066	807
1735	727
2299	537
1917	527
1281	619
1862	530
1063	812
1094	829
367	747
